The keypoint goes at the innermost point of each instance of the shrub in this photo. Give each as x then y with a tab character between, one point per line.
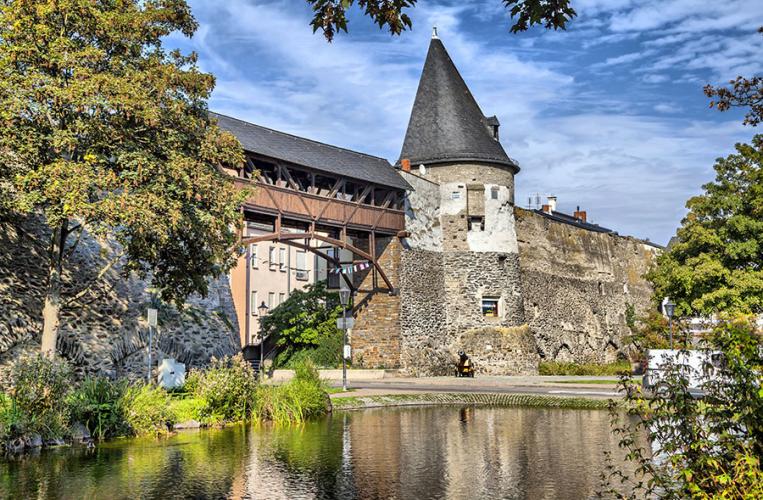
302	397
699	448
326	353
563	368
12	419
305	326
228	388
40	389
97	404
147	409
187	408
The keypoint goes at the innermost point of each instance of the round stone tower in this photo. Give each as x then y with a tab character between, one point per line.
460	214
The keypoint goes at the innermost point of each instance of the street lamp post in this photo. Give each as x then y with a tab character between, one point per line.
344	298
263	311
670	308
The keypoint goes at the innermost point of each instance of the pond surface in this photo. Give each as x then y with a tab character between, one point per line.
416	453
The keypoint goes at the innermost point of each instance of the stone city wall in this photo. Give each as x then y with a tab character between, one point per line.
501	350
375	339
576	284
105	332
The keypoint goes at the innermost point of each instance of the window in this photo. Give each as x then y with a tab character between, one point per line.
455	195
271	300
272	258
490	307
253	256
301	274
253	303
476	223
494	193
281	298
282	259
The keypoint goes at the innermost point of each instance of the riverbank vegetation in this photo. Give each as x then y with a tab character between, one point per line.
707	447
44	406
594	369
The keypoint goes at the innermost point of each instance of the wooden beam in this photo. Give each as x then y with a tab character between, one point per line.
326	239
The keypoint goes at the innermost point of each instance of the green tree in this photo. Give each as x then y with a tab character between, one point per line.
104	132
717	263
306	322
331	15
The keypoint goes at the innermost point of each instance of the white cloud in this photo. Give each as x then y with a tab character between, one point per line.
575	134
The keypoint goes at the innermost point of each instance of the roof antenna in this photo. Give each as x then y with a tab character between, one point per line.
434	33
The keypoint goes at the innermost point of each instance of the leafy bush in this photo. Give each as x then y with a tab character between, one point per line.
187	408
97	404
702	448
306	321
12	419
302	397
228	388
562	368
39	392
327	353
147	409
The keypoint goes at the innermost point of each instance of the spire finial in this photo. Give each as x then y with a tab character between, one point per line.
434	32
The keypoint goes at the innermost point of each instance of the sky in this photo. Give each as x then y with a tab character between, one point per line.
608	115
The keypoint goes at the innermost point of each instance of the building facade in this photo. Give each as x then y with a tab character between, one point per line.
456	264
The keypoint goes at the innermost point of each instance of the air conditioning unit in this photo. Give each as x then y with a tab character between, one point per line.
302	275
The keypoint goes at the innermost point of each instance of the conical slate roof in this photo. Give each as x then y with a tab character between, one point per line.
446	122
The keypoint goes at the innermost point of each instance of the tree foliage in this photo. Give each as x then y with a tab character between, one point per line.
103	131
330	16
305	318
697	448
717	263
743	92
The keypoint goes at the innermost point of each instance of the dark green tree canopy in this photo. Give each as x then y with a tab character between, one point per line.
331	15
717	263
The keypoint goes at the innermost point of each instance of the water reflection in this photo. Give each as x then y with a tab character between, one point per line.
435	452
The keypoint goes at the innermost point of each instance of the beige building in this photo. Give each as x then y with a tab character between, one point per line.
269	272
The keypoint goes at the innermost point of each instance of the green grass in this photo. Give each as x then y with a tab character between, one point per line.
560	368
595	381
336	390
484	399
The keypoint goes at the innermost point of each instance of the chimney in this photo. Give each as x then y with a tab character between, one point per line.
552	203
580	214
406	164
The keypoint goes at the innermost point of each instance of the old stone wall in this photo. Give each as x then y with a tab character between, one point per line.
576	284
104	333
375	339
501	350
424	341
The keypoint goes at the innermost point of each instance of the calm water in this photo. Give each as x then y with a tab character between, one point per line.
417	453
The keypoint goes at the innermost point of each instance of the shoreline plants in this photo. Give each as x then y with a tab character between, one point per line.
45	406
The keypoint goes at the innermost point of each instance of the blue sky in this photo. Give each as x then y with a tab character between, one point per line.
608	115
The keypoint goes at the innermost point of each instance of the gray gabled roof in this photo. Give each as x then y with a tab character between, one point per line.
446	122
311	154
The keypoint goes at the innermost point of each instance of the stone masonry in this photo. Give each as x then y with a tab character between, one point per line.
105	333
375	339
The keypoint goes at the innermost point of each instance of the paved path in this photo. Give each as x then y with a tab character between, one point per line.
559	386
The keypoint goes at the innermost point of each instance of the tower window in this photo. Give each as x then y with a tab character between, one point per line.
494	193
476	223
490	307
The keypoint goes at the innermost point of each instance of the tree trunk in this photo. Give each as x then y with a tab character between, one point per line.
52	308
